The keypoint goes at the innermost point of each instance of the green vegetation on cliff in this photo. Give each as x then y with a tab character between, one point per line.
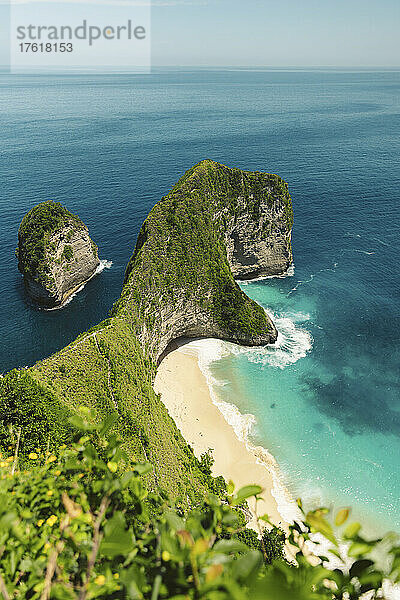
226	186
181	258
106	371
184	259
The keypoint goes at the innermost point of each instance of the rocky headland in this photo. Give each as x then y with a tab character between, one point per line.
216	225
55	253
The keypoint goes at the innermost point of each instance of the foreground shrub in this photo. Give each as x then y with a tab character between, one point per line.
74	527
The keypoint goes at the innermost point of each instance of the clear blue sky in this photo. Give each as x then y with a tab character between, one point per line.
276	33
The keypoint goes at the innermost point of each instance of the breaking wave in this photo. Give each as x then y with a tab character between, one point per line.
288	273
293	343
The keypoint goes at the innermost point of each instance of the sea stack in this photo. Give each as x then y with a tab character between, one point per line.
55	253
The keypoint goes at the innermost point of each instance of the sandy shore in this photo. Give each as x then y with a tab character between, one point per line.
185	393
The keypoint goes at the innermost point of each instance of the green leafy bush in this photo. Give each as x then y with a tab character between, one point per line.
76	527
32	413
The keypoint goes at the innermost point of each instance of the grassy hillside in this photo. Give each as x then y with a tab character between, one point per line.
104	370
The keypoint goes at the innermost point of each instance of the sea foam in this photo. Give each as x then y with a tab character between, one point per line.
293	343
288	273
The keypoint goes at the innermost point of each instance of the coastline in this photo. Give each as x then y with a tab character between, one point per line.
207	423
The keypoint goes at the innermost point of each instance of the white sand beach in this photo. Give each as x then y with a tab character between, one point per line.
186	394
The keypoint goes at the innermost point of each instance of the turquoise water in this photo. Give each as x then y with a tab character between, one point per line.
314	400
326	401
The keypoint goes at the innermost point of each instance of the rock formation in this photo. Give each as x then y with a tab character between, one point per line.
216	223
55	253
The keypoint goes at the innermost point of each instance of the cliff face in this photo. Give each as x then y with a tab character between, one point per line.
217	223
55	253
260	244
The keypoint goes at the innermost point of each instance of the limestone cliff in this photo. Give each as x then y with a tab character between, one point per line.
216	223
55	253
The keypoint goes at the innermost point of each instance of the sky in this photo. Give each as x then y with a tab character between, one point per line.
283	33
277	33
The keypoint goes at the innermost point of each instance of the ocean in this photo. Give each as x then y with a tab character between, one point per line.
325	400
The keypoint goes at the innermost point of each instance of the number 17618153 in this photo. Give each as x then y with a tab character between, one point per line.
46	47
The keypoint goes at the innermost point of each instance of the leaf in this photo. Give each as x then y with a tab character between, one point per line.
372	580
90	452
134	581
246	492
108	422
359	566
200	546
143	468
230	519
213	572
112	466
230	488
117	540
61	592
351	530
174	521
126	478
317	521
246	566
228	546
79	423
359	549
342	516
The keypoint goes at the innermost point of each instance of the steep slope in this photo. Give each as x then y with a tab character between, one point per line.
55	253
178	283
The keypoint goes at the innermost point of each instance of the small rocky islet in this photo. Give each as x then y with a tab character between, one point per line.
55	253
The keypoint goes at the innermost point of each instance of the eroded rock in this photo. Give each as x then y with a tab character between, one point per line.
55	253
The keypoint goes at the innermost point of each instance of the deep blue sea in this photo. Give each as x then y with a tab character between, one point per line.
326	400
